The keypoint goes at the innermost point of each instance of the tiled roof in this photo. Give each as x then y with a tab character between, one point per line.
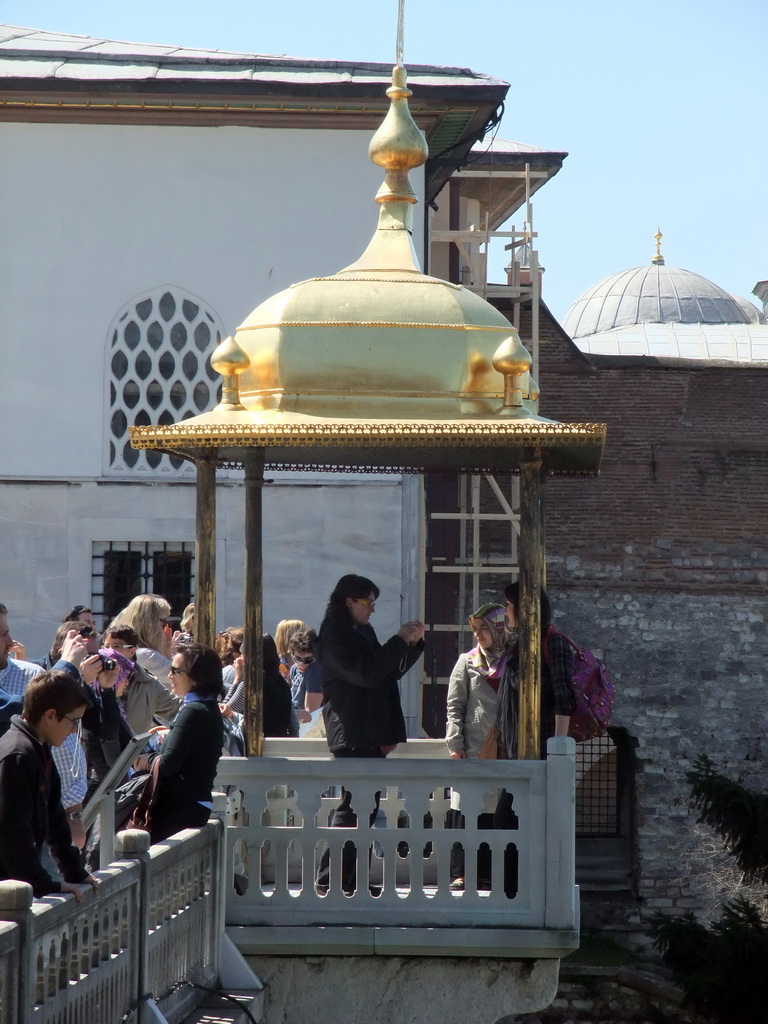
507	146
34	53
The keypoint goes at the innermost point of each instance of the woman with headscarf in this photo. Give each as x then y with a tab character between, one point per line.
472	698
474	685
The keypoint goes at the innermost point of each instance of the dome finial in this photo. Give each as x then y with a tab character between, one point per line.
399	144
658	259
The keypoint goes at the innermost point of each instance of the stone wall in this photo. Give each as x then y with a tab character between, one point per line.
690	675
611	995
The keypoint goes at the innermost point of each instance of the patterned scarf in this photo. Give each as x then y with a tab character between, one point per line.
491	661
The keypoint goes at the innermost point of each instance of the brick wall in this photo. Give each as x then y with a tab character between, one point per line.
683	494
662	563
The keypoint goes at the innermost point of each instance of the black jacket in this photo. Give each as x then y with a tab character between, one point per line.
31	813
361	698
189	757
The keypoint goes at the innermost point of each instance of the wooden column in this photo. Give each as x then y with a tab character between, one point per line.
252	619
531	581
205	551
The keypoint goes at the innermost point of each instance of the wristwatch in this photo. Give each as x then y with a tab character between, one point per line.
75	815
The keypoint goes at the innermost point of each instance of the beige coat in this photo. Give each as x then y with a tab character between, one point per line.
471	708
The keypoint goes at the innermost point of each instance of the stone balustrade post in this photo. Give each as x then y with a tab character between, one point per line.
220	807
561	904
16	906
220	812
134	844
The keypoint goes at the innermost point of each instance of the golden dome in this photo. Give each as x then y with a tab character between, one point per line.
380	339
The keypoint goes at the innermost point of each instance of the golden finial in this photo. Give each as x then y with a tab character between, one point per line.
658	259
512	360
230	361
399	144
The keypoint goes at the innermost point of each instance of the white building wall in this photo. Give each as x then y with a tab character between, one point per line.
94	215
313	533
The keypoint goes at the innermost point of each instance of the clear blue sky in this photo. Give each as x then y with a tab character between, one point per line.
661	106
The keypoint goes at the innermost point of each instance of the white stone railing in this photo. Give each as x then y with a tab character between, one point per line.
10	945
282	828
153	927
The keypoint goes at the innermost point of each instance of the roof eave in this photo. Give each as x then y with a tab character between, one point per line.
384	445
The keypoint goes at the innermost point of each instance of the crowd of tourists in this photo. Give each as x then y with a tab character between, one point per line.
67	719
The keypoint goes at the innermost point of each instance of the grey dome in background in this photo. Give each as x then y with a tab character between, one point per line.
654	294
752	313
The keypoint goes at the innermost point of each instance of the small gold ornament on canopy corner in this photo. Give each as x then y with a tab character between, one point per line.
513	361
230	361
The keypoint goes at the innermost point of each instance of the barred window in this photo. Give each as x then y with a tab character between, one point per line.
121	571
597	789
605	846
159	372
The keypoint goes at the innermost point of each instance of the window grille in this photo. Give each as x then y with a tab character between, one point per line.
597	788
158	372
121	571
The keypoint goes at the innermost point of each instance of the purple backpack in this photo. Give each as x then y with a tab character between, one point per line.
594	688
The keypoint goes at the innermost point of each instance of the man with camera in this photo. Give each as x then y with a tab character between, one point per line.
75	650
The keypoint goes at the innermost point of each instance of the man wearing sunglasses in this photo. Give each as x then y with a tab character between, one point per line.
305	675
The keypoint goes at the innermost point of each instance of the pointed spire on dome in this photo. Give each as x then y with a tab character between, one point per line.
658	259
398	146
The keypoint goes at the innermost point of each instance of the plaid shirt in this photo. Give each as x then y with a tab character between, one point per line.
69	758
556	670
15	677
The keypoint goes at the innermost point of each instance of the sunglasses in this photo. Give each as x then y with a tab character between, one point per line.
176	671
364	600
122	647
302	661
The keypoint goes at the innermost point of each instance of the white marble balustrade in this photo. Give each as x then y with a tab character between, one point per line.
276	837
154	926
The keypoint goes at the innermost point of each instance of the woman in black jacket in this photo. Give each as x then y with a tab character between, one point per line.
189	755
361	697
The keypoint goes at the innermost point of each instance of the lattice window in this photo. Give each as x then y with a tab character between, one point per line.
122	570
597	788
158	373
